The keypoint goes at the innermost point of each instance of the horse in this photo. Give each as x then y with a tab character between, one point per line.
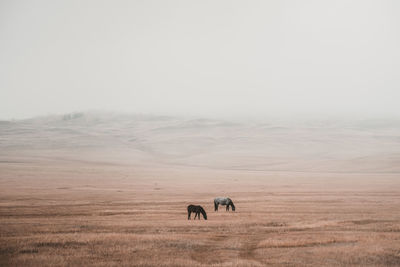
224	201
197	210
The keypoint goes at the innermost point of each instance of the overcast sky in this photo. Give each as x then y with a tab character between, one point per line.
207	58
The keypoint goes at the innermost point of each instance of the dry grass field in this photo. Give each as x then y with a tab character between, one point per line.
102	202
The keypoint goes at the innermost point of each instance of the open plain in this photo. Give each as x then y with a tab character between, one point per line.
109	190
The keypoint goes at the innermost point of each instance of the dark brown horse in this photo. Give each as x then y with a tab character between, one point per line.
197	210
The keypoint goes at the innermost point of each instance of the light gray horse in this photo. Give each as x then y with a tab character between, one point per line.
225	201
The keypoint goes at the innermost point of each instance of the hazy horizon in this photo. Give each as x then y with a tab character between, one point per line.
234	118
207	59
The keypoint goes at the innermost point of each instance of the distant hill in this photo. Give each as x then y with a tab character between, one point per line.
309	146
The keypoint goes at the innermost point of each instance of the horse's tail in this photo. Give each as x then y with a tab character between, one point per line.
215	205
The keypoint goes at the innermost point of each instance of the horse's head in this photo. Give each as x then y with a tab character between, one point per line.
233	206
204	213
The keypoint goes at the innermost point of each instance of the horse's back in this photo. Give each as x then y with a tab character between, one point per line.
222	200
193	207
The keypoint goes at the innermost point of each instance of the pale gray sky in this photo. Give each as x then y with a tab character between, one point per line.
222	58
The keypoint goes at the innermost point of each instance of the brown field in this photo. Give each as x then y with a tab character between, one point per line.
115	204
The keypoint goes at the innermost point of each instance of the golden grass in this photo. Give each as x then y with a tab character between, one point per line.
99	215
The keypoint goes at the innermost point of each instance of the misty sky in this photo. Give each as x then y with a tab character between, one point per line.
222	58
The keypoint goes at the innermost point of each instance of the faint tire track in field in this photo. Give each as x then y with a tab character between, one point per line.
209	253
248	247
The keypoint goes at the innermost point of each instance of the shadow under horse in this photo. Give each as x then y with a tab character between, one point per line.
224	201
197	210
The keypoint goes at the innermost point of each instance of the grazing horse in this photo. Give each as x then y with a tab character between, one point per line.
225	201
197	210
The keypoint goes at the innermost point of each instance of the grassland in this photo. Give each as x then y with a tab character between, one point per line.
91	192
104	215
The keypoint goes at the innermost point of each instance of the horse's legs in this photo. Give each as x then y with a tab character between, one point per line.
198	215
216	206
189	215
227	207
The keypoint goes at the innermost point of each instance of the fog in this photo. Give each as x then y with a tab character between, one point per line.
203	58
